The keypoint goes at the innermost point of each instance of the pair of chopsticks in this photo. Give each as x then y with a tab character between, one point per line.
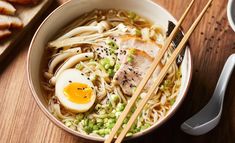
159	78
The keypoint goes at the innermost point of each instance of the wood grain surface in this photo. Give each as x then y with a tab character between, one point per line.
212	42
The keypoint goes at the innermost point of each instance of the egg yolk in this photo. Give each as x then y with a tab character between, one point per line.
78	93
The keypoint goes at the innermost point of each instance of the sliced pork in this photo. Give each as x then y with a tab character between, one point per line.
135	57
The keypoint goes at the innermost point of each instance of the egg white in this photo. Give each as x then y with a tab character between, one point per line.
64	79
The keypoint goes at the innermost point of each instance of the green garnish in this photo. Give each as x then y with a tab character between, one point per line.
79	66
132	15
111	72
137	32
113	46
116	67
172	101
131	51
130	59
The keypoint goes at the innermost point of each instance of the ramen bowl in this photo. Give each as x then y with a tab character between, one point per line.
71	10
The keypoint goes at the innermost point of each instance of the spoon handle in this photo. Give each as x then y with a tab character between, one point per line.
224	77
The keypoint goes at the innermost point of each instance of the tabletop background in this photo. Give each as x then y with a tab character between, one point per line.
213	41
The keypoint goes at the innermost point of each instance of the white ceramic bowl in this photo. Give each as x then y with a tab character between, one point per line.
66	13
231	13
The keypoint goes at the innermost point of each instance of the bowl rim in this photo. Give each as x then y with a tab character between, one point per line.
229	14
89	137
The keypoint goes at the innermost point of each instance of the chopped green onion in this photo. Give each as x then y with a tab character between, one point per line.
102	112
131	51
138	32
172	101
132	15
116	67
100	124
125	121
104	61
88	129
129	134
117	114
110	72
99	120
130	59
68	123
79	117
114	97
95	127
79	66
112	45
107	66
145	126
120	107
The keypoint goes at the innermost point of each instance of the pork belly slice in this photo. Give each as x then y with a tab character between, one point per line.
6	8
133	69
10	22
4	33
128	41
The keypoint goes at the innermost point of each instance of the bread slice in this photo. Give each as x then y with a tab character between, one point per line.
10	22
4	33
6	8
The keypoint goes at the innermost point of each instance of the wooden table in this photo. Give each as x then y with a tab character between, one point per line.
213	41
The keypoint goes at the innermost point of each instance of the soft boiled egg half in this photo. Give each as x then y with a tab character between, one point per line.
75	91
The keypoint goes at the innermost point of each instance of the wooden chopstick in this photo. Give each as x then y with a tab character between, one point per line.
162	74
147	76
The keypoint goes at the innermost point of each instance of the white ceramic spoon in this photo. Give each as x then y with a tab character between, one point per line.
208	117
